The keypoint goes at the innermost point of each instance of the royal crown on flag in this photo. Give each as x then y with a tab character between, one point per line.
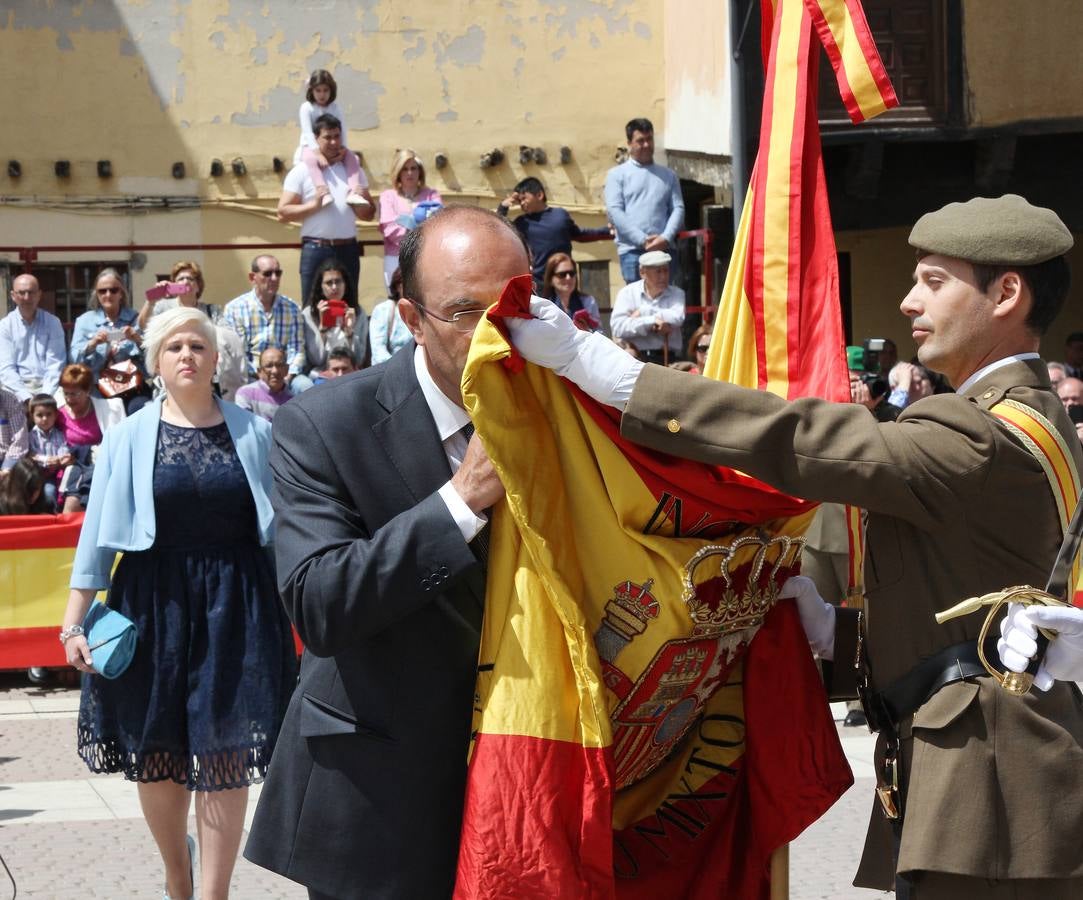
747	590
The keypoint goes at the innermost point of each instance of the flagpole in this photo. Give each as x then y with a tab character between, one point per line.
780	873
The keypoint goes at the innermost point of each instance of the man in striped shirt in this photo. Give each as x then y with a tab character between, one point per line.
265	318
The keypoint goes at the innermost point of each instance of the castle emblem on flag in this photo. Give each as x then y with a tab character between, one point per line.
657	706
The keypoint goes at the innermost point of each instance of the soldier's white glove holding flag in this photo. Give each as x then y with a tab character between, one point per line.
1063	660
588	359
817	615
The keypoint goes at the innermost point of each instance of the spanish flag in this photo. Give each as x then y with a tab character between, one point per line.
649	720
36	554
778	325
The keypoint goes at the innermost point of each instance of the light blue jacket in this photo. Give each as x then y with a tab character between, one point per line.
120	511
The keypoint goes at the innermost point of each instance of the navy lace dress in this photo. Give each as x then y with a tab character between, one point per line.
203	699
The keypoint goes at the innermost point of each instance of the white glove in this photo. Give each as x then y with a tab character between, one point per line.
1063	659
588	359
817	617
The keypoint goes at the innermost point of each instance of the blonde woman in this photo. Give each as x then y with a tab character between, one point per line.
181	491
409	189
108	333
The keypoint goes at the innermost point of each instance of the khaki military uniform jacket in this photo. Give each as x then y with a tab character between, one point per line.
957	508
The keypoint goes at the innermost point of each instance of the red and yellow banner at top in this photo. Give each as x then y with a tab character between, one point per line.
779	325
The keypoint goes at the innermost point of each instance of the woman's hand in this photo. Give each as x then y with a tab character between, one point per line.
77	651
101	337
348	321
132	335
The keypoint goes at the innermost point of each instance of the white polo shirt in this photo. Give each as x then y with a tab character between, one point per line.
335	221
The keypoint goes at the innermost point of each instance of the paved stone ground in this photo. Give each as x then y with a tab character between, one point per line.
66	834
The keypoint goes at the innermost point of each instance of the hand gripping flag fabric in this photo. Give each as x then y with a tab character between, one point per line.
649	720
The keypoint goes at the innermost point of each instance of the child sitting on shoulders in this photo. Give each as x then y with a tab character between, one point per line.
319	100
48	446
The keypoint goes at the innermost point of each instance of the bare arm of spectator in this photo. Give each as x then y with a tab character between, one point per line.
614	204
292	208
366	213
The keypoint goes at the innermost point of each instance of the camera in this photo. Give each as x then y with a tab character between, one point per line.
1075	413
877	383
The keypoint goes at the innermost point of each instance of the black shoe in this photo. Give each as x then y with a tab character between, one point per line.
854	718
38	675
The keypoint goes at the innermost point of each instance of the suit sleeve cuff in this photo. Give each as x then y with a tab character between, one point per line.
469	523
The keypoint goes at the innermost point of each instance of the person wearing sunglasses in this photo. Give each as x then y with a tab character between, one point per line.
560	283
265	318
108	333
698	345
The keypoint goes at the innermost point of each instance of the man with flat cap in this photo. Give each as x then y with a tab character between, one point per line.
980	792
649	313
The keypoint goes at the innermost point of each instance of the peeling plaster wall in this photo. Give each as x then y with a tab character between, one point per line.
1023	60
147	83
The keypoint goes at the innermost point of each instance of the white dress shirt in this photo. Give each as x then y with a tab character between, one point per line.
450	419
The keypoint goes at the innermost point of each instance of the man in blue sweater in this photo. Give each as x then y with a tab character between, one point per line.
546	229
643	200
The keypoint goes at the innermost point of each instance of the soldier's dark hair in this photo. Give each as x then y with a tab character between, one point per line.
635	125
1048	282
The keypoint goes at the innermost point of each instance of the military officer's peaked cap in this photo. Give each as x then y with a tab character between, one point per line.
1006	230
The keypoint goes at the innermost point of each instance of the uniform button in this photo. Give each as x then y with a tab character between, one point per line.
444	571
989	394
425	584
673	425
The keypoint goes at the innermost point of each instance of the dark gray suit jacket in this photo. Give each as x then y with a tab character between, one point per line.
365	790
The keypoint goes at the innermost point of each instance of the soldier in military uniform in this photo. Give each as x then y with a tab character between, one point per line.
990	785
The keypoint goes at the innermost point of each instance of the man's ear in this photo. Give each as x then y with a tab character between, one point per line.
410	315
1011	295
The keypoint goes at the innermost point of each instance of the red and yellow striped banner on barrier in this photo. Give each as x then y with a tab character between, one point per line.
36	554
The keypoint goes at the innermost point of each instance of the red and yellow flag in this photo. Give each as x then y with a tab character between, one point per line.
36	553
632	655
778	325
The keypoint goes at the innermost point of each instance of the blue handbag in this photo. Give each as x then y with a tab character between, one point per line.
110	637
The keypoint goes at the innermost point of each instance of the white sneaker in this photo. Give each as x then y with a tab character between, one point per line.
356	200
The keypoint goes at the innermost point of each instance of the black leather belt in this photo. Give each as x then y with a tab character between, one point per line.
328	242
887	708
